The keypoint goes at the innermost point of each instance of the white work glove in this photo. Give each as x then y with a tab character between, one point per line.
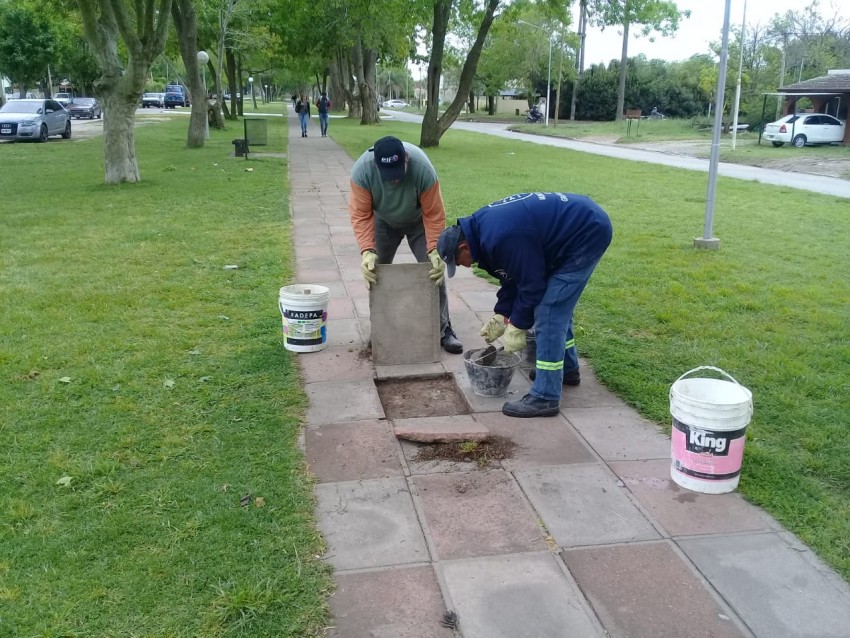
438	268
493	329
514	339
367	266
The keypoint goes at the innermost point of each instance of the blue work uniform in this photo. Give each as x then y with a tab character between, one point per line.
542	247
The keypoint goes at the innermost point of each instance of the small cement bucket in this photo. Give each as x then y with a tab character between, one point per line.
710	418
492	380
304	312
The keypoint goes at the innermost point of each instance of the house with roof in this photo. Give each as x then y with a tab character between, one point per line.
829	94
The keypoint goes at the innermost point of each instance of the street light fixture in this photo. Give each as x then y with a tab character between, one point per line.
549	70
253	98
203	58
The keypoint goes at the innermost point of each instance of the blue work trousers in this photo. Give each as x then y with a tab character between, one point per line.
553	329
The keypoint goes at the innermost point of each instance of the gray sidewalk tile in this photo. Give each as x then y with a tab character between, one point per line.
517	596
403	602
352	451
582	505
683	512
341	308
776	588
369	524
445	429
344	332
540	441
479	300
323	251
646	589
343	401
477	514
618	433
338	363
312	275
361	306
410	371
336	288
590	394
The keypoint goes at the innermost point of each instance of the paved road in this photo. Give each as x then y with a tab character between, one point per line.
803	181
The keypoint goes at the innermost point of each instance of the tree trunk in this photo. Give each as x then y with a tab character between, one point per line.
491	104
472	102
231	82
364	60
119	139
432	126
186	26
582	24
624	63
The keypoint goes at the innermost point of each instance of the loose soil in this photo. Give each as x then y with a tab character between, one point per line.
482	453
411	398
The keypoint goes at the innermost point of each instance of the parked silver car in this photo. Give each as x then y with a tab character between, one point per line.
34	120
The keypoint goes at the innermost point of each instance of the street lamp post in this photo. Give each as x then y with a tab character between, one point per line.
266	94
253	97
549	69
203	58
738	84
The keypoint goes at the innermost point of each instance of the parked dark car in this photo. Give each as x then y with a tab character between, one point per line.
153	100
85	107
34	120
176	95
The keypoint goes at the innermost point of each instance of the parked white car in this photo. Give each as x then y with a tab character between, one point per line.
394	104
805	128
34	120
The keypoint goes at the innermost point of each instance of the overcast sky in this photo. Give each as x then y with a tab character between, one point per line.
695	33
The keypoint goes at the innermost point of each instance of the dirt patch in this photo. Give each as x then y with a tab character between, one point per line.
411	398
481	453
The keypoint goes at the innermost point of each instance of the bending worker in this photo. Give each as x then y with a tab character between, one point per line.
395	195
543	248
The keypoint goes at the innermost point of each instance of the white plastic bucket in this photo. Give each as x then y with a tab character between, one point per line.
304	311
710	418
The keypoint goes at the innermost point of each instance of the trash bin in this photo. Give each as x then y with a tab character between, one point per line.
240	147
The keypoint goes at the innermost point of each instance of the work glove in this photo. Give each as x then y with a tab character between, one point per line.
438	268
514	339
367	266
493	329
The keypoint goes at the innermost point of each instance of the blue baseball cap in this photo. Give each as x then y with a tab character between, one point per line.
389	158
447	245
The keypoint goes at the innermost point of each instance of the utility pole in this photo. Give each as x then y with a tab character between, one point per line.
738	85
560	68
582	23
781	73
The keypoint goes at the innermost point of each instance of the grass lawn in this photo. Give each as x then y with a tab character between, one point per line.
151	479
771	307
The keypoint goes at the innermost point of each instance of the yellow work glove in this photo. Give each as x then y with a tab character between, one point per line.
438	268
514	339
367	266
493	329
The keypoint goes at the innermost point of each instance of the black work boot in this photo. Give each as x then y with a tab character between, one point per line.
529	406
571	377
450	342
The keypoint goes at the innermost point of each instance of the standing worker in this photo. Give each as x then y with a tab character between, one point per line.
322	105
543	248
395	194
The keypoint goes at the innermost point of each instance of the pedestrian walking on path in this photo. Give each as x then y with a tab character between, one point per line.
323	104
542	247
302	107
395	194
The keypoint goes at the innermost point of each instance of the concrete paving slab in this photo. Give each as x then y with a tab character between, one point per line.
336	288
349	273
303	238
361	305
316	263
683	512
582	505
517	596
337	363
341	308
540	441
479	300
477	514
404	310
344	332
619	433
323	251
334	402
409	371
646	589
443	429
342	246
312	275
778	589
590	394
402	602
352	451
369	524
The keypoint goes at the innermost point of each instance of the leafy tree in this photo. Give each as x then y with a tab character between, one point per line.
26	45
661	16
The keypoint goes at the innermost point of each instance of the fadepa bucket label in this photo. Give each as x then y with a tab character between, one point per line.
303	310
710	418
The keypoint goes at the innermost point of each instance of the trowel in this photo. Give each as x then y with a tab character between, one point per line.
488	355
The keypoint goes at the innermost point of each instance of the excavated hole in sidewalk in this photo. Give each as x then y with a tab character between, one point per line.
411	398
495	448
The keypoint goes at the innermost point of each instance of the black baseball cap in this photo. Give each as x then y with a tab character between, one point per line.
447	244
389	157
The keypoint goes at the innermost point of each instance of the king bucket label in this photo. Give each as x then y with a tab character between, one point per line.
707	454
304	327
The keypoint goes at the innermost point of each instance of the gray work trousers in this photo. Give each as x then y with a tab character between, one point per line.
387	241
